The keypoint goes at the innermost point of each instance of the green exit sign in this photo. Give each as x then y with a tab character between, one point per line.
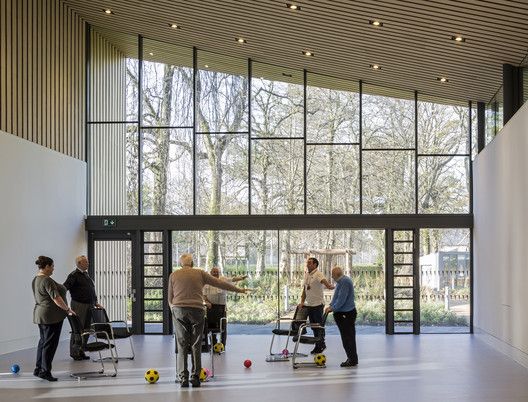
109	222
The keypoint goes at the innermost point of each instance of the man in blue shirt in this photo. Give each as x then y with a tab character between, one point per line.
344	309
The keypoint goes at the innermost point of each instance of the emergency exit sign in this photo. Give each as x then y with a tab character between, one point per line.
109	222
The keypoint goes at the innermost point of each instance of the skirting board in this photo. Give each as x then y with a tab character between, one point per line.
512	352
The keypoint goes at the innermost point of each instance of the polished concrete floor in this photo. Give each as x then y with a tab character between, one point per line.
392	368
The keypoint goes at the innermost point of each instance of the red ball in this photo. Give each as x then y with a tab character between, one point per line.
247	363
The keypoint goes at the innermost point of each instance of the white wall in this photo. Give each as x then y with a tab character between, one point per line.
501	240
42	208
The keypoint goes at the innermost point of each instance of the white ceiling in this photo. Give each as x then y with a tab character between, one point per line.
413	47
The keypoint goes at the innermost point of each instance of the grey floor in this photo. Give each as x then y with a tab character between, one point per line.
392	368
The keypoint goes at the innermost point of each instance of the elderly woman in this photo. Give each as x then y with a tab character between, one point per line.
49	313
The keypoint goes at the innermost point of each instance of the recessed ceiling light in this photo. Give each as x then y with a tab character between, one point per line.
458	38
376	23
241	40
375	66
442	79
151	54
175	26
308	53
206	66
108	11
293	6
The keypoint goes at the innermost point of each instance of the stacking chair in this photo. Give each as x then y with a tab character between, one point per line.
115	329
291	330
219	330
307	340
95	346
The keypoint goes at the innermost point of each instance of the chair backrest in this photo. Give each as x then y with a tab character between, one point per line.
75	324
99	316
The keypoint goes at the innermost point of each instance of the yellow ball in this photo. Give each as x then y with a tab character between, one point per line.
204	374
152	376
320	359
218	347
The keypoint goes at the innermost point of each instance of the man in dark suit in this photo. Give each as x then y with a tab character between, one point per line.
83	299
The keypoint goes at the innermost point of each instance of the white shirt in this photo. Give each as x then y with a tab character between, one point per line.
216	295
313	288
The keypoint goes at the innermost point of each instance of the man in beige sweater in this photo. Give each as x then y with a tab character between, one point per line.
185	297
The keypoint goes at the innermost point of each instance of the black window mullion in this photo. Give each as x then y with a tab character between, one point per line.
250	73
304	140
360	147
415	152
140	117
195	106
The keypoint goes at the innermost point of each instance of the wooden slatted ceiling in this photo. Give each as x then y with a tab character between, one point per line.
413	47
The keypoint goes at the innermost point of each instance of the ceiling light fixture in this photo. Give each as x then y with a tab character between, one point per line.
375	66
293	6
175	26
442	79
458	38
308	53
206	66
376	23
108	11
151	54
241	40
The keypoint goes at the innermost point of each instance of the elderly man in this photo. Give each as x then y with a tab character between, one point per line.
185	297
345	314
216	300
312	299
83	298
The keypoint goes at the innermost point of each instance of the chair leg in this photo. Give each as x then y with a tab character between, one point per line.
211	353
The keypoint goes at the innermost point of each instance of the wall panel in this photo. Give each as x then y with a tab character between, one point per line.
41	74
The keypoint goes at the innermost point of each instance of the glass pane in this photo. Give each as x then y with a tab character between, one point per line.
222	94
222	174
277	177
277	102
153	293
153	271
332	179
388	118
153	282
491	116
113	161
154	259
442	127
114	70
445	280
443	184
153	316
154	305
388	182
333	110
167	85
167	172
113	277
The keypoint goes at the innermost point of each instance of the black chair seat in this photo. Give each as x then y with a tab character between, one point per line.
96	346
307	340
282	332
121	332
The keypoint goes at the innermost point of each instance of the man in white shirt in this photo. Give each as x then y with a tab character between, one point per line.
312	299
216	299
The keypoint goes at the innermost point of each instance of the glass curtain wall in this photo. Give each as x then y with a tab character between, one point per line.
207	134
275	265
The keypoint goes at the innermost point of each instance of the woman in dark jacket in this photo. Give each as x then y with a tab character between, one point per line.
49	313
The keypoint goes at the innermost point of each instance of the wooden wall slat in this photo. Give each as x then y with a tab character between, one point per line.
42	74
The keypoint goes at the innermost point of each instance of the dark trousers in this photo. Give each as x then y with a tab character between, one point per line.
214	314
47	346
315	315
188	327
84	312
346	322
